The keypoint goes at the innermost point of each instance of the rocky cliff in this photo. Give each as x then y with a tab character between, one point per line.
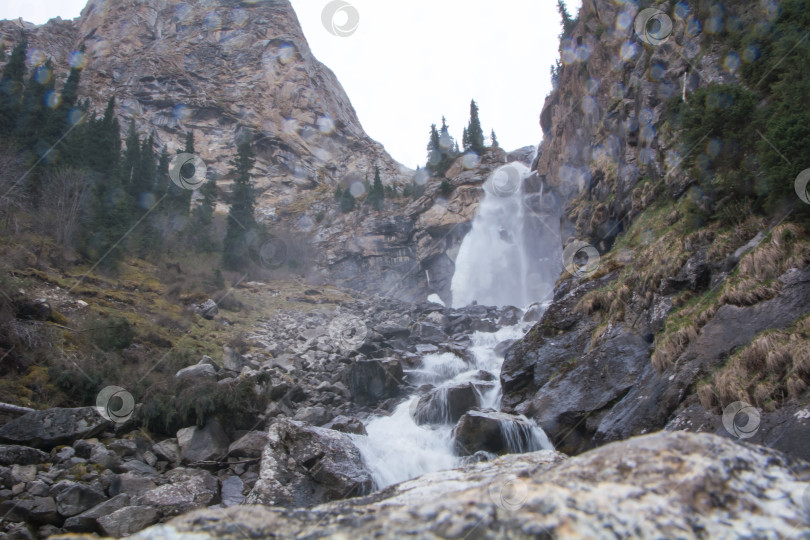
217	69
695	304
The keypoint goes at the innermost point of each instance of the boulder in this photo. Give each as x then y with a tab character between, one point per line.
87	521
167	450
509	316
128	520
38	510
77	498
208	309
186	489
207	443
497	433
428	333
232	360
197	371
371	381
345	424
445	404
391	329
13	454
52	427
316	416
131	484
665	485
304	465
232	491
250	445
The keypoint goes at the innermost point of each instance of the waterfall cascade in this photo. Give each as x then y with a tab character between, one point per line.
511	256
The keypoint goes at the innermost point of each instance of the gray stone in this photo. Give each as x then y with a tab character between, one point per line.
138	467
208	309
51	427
316	416
372	381
445	404
39	510
186	489
123	447
304	465
232	488
208	443
232	360
197	371
250	445
131	484
664	485
77	498
23	473
496	433
345	424
128	520
207	360
88	521
21	455
168	450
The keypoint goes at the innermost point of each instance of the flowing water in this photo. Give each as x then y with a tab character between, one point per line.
509	257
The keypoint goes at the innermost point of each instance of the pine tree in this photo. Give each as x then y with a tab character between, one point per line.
346	201
465	140
494	139
34	111
11	89
568	23
236	249
377	192
179	199
59	121
434	150
203	217
130	163
475	134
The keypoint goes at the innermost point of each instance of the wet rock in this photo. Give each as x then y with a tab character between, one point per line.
304	465
21	455
372	381
51	427
316	416
509	316
428	333
208	443
495	432
533	313
345	424
77	498
128	520
445	404
500	348
250	445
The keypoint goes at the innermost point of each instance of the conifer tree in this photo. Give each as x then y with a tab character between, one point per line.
434	149
12	82
475	134
346	201
34	111
179	199
494	139
236	250
59	121
465	140
377	192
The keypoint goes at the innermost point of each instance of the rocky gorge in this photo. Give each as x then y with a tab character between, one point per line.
652	380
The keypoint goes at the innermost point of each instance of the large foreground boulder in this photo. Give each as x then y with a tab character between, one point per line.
304	465
52	427
665	485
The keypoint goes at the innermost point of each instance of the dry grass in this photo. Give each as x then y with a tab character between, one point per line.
774	368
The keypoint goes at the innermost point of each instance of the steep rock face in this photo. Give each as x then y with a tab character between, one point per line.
658	486
620	352
218	68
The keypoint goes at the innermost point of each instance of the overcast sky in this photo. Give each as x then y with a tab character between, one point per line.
409	63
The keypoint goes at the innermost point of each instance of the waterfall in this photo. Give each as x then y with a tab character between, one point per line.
507	258
511	256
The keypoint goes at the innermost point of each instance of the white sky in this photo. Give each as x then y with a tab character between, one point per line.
411	62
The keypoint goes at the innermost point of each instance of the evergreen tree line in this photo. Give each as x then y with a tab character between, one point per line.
443	149
375	194
98	195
